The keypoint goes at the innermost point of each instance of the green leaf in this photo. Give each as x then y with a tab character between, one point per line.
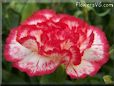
112	52
12	78
58	77
17	6
28	10
10	16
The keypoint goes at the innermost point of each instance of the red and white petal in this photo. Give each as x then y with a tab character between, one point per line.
27	60
37	34
34	64
82	70
33	20
22	31
93	58
46	13
71	22
14	51
86	43
99	50
30	43
58	17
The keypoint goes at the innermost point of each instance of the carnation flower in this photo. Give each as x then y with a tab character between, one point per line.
46	40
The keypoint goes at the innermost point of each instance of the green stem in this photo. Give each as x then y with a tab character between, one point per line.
85	11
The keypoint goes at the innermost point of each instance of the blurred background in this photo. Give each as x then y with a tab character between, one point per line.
13	13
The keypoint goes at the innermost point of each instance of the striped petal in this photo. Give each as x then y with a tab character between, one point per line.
93	57
37	65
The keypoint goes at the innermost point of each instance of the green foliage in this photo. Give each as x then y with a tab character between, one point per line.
14	13
28	10
59	76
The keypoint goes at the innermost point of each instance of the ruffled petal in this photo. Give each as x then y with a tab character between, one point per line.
25	58
30	43
72	22
34	64
33	20
93	57
82	70
86	42
28	30
58	17
99	50
47	13
14	51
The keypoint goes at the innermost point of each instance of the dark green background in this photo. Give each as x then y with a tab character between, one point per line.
13	13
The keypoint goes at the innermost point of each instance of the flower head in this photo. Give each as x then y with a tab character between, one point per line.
46	40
